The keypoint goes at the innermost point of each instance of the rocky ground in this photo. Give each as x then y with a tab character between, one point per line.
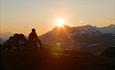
28	59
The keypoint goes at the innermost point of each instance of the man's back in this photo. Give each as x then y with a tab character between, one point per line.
33	38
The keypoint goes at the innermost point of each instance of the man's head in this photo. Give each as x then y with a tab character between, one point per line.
33	30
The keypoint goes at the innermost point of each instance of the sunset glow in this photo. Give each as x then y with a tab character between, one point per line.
60	22
19	16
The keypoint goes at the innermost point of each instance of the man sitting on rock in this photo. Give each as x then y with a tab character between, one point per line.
34	40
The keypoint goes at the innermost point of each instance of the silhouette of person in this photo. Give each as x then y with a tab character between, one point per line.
33	39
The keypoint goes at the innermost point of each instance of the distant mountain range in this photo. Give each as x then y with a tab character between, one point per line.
1	41
67	33
4	36
85	38
108	29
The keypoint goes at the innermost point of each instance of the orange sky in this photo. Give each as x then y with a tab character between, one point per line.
19	16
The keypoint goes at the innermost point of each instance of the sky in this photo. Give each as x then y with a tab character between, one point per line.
20	16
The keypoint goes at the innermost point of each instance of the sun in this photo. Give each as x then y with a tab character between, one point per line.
60	22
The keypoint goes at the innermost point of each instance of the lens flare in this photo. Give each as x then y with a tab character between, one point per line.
60	22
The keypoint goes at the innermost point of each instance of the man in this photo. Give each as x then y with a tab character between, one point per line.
33	38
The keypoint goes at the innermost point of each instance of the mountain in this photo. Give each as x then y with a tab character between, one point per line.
5	36
73	38
108	29
1	41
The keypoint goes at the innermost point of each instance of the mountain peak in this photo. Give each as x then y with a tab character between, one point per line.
71	36
61	28
111	26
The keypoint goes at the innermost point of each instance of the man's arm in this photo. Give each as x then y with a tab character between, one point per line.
35	35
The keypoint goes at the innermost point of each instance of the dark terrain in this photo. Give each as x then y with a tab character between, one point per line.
27	59
91	50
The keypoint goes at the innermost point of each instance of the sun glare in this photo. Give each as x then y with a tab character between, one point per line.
60	22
